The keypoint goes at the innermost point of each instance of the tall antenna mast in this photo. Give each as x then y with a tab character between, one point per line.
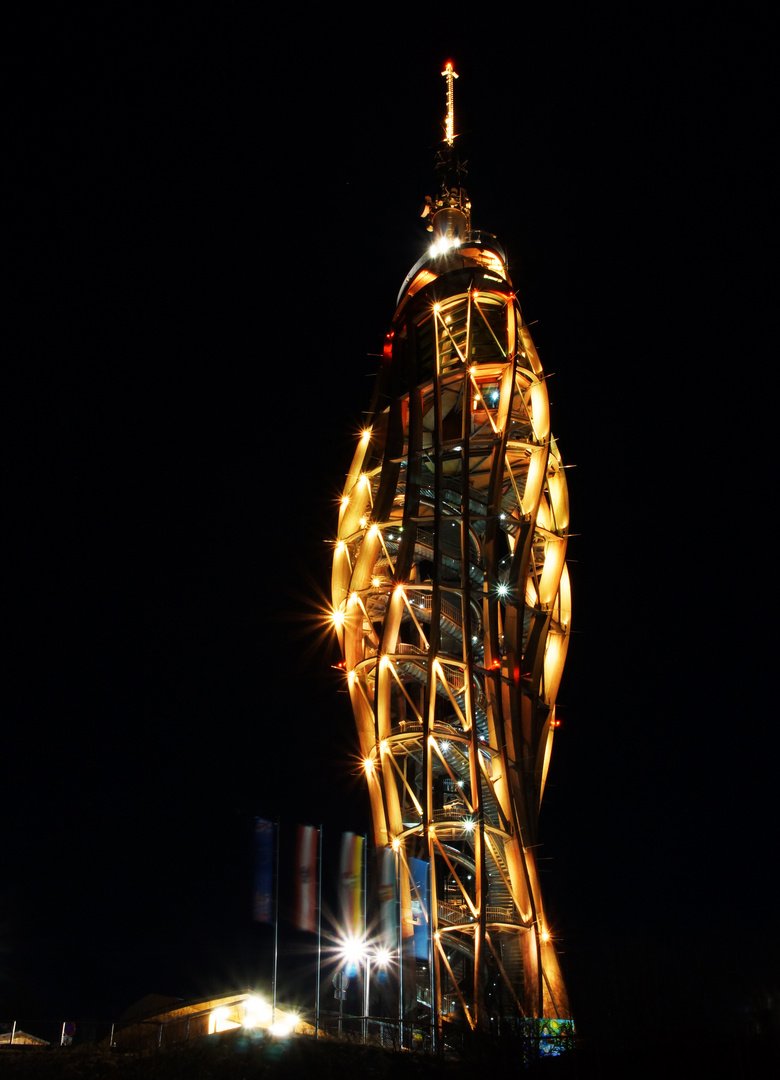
449	212
449	74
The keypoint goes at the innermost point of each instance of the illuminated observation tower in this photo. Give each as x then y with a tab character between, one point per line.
451	600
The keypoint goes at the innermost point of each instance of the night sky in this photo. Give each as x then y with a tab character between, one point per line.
215	212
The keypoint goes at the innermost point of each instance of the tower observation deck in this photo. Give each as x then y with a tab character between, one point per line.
451	601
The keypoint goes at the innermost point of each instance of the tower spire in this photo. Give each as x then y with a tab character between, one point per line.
449	74
450	211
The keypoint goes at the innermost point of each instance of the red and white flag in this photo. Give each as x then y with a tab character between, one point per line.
306	878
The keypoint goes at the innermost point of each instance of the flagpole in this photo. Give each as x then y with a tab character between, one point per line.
365	936
276	922
400	950
319	940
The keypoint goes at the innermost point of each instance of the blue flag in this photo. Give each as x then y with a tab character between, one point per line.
421	905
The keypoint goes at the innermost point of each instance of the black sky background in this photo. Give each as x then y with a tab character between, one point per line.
216	210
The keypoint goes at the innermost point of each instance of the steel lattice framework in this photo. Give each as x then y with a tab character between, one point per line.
451	599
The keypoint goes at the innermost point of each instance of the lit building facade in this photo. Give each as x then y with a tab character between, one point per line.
451	600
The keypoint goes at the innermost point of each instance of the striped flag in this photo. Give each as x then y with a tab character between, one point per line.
263	893
350	881
306	879
388	920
